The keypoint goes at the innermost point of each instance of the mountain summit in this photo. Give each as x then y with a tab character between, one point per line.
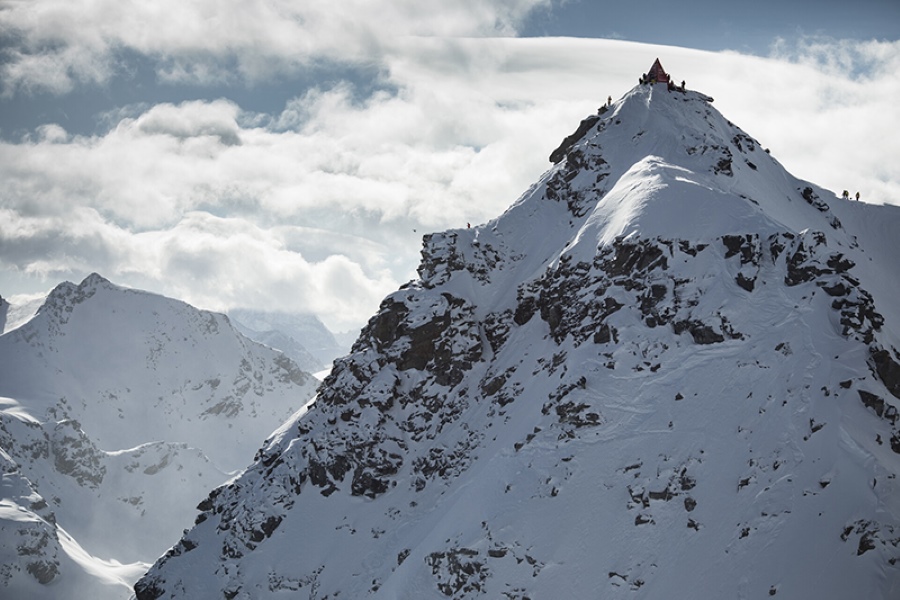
668	370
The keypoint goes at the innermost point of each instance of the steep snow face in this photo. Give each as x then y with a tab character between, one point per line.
669	366
119	411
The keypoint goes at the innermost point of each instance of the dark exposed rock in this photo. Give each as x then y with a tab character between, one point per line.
43	570
800	269
888	370
724	166
839	264
653	296
266	529
74	454
367	484
583	127
442	255
702	334
493	386
385	325
742	139
740	244
690	249
574	414
838	289
422	343
561	187
778	243
497	327
606	334
812	198
745	282
858	315
664	495
147	589
747	247
865	544
457	572
440	258
525	310
443	462
642	519
872	401
633	258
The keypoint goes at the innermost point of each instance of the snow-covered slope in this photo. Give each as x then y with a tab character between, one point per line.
119	411
669	370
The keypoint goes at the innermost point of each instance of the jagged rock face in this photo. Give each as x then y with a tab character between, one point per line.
667	362
31	549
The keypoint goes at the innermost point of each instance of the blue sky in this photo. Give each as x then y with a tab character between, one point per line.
289	156
742	26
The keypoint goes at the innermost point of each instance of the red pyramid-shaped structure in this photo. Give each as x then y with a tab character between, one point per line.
657	74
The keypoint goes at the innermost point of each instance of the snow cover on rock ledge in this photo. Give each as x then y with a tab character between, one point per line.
669	370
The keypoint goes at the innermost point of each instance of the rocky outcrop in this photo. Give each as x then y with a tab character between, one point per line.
570	140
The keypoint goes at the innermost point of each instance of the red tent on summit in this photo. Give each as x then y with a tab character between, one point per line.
657	74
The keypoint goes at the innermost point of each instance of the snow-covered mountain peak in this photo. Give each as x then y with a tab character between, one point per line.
666	164
99	344
68	294
669	364
119	410
659	163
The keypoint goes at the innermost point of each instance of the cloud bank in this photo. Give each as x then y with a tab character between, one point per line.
321	207
53	45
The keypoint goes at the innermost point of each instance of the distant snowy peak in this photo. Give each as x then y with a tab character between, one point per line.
669	361
119	410
67	295
101	351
